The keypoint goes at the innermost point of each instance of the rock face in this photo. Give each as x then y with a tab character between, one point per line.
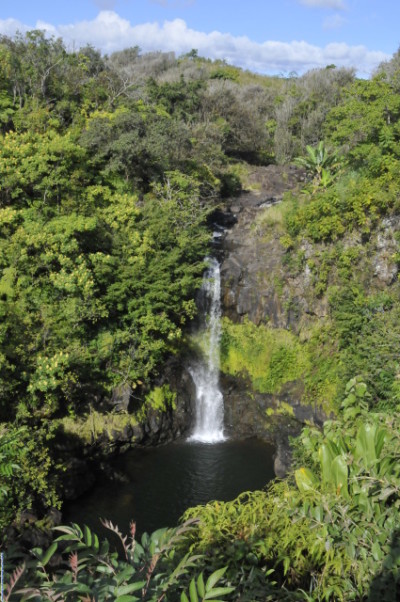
258	284
164	427
252	274
261	283
249	413
273	418
385	268
253	267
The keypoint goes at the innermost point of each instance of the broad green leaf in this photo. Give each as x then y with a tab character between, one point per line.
145	540
350	413
49	553
386	465
158	534
125	574
200	585
360	389
193	591
72	533
286	564
87	535
81	588
380	438
365	444
317	512
66	537
218	591
305	480
376	551
340	473
128	589
350	399
95	542
214	577
102	568
363	501
327	452
351	383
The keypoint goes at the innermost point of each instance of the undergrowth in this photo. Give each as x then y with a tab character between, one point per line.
270	357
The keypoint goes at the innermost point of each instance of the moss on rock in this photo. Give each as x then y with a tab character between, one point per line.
93	426
269	356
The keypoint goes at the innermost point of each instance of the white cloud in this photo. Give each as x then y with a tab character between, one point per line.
336	4
9	27
109	32
334	22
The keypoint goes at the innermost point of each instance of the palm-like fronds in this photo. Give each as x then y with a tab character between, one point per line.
317	163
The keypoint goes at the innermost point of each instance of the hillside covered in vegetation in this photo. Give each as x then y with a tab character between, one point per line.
110	168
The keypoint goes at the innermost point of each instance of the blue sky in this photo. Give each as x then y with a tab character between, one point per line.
270	36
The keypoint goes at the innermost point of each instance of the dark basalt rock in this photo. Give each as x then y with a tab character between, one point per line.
32	529
173	423
252	264
222	218
246	415
249	259
120	398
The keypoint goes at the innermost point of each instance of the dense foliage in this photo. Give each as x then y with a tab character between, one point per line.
148	570
102	219
109	167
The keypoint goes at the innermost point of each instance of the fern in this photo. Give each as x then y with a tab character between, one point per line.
15	577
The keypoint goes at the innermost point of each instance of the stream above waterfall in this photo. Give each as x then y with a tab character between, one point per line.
154	486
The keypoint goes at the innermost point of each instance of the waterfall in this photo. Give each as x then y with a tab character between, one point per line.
209	425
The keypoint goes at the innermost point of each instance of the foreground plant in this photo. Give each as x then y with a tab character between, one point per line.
77	566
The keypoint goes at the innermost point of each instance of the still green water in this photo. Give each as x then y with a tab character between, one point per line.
156	485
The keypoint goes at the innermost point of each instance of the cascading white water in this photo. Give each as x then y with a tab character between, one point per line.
209	425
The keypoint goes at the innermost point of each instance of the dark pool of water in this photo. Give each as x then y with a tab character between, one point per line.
161	483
